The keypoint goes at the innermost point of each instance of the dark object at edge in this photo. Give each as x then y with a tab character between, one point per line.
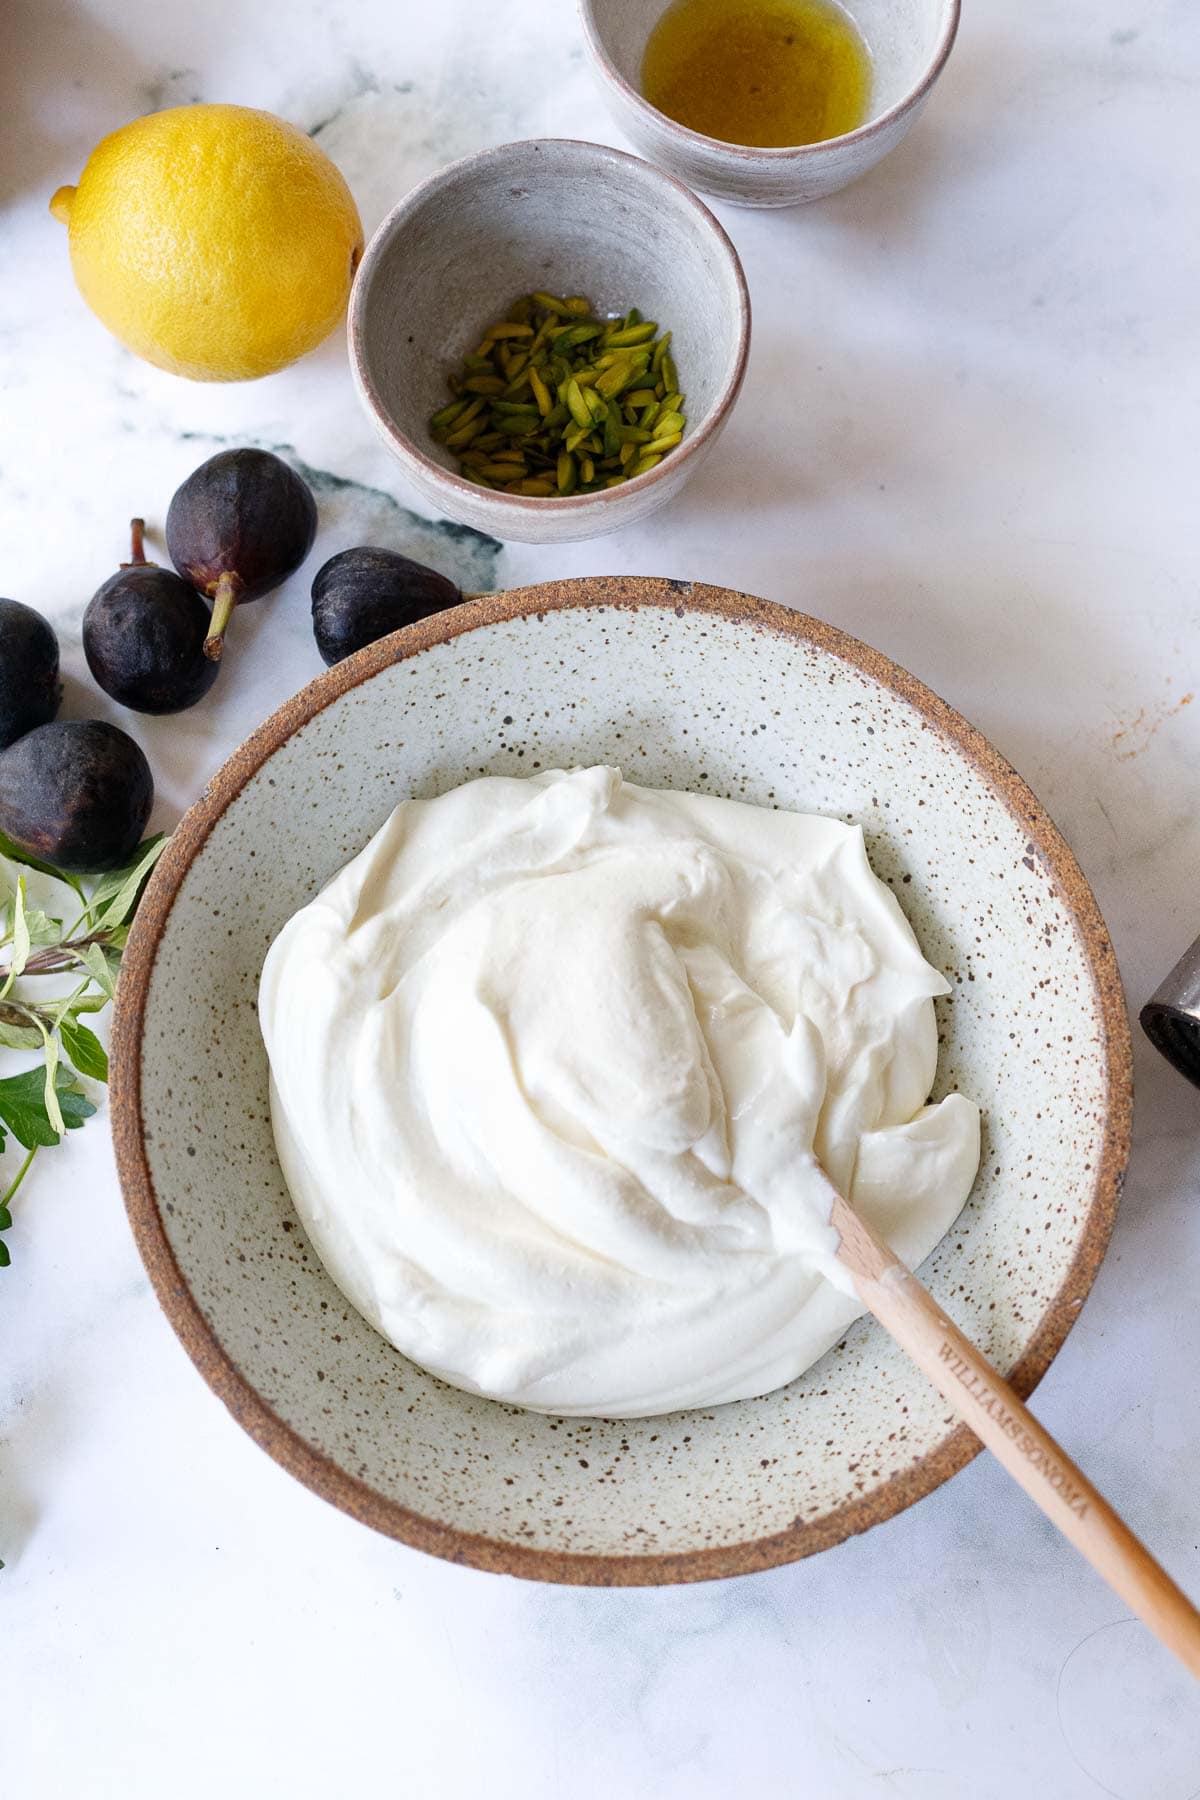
30	690
1171	1017
364	594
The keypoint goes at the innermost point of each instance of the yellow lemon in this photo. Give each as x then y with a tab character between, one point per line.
216	241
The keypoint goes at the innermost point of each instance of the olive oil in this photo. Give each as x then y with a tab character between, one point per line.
764	72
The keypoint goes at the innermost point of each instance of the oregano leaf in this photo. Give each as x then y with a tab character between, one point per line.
50	1086
94	959
19	1037
43	930
116	894
20	947
84	1049
23	1106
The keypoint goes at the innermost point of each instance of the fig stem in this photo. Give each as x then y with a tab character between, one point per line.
224	601
137	545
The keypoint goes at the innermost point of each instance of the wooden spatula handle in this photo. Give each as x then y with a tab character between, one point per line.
989	1406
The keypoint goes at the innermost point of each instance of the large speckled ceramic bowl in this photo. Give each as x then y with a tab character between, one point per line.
687	687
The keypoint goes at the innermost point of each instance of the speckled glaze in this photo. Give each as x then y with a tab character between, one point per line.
683	686
566	217
909	41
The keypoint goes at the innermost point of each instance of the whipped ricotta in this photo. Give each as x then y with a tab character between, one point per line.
557	1065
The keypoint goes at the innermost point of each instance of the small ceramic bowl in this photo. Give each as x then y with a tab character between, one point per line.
908	40
566	217
686	687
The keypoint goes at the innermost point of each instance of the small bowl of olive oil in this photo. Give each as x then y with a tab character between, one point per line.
768	102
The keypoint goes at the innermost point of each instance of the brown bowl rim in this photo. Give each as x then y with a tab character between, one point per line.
771	153
405	447
320	1472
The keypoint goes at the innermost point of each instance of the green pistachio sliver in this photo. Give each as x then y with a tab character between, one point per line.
581	412
442	420
620	376
555	400
541	393
503	471
462	435
575	335
631	335
472	410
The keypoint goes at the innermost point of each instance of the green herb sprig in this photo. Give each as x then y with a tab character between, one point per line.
39	1106
556	401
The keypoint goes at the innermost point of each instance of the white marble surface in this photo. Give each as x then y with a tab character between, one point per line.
969	435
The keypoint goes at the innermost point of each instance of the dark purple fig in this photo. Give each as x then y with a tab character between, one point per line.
238	526
76	793
143	636
360	595
30	690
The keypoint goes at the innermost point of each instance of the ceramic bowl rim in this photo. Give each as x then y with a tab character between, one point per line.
406	449
318	1470
773	154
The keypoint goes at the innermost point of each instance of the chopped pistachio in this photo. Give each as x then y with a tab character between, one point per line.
556	400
